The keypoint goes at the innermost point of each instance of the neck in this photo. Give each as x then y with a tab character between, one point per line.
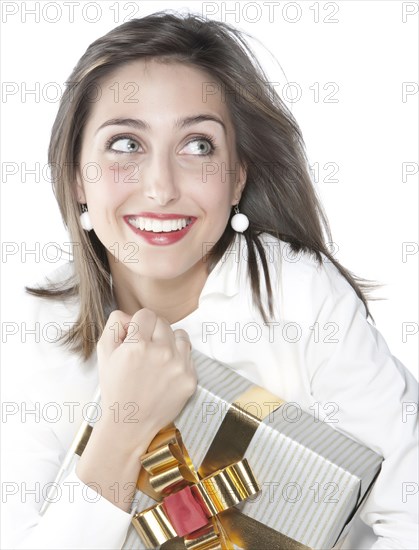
172	299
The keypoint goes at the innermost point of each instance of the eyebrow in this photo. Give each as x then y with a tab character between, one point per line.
180	123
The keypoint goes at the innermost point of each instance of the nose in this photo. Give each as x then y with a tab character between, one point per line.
159	178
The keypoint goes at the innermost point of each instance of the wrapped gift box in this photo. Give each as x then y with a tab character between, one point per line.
312	477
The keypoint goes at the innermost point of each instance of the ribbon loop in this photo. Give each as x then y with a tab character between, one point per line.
153	526
166	466
227	487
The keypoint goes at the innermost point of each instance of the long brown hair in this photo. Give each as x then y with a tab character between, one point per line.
279	197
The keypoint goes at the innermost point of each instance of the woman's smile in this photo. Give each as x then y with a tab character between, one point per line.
160	231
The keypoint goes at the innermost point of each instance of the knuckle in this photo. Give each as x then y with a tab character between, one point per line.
166	354
115	315
146	312
190	385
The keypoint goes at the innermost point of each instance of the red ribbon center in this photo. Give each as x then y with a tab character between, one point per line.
185	513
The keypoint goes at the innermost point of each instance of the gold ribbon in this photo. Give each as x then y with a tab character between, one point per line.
167	469
224	479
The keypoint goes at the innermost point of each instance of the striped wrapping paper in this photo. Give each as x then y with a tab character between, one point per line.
313	477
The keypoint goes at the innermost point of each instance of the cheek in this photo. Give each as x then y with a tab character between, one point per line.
215	204
219	192
121	175
111	186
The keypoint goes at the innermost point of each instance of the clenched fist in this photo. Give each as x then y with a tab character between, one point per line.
146	374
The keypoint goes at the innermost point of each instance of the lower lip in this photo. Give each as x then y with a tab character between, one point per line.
162	238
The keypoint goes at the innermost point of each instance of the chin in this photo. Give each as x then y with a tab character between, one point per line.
158	270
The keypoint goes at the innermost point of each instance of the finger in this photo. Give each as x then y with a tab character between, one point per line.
141	326
183	342
163	333
114	332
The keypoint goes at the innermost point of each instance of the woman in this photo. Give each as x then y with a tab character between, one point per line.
159	139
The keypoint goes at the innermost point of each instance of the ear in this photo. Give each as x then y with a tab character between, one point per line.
81	197
240	184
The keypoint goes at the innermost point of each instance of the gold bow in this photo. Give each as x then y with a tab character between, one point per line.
168	473
167	467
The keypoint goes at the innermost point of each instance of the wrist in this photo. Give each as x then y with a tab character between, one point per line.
123	438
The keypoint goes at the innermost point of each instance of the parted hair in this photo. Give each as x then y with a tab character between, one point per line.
279	197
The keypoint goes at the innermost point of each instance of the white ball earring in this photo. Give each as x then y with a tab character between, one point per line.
239	222
85	220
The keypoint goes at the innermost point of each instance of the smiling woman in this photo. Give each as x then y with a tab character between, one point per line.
170	125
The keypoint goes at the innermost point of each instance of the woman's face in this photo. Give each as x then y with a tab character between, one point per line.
159	141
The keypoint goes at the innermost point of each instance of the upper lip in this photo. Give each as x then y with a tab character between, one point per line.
159	216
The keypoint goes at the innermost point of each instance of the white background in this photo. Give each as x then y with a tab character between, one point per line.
368	49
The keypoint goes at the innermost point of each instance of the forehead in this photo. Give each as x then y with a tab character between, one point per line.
155	91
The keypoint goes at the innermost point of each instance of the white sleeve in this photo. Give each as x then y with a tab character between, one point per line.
374	399
79	518
37	371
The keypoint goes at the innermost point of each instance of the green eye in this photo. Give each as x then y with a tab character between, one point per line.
204	146
124	145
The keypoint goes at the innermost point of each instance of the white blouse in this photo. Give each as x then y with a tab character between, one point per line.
320	352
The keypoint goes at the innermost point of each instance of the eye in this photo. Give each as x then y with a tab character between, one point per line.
203	145
123	144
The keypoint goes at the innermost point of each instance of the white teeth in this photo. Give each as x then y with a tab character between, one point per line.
147	225
159	226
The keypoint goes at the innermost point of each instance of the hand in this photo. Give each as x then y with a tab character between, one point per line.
146	375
